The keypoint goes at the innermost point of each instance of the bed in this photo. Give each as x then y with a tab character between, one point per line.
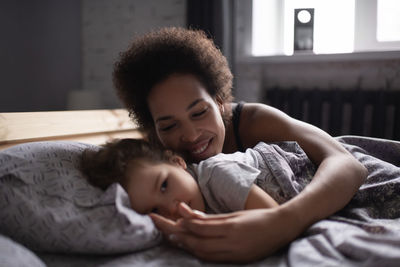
50	215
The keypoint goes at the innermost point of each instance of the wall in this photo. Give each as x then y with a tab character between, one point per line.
108	27
254	78
58	55
40	55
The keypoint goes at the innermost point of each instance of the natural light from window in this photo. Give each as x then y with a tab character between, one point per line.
273	26
267	28
388	26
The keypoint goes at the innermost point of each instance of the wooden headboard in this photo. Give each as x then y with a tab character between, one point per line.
89	126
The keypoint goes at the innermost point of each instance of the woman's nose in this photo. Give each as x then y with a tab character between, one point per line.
189	133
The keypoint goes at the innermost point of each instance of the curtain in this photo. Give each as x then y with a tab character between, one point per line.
206	15
216	19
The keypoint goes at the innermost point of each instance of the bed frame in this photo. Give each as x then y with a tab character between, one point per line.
89	126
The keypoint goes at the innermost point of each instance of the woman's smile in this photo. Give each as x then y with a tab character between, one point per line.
200	147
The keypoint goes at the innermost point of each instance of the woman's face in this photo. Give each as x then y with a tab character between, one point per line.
187	119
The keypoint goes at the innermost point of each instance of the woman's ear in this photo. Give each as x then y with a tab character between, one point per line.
179	161
220	104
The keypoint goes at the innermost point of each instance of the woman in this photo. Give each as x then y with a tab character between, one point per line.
177	85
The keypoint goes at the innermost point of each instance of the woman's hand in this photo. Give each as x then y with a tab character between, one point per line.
242	236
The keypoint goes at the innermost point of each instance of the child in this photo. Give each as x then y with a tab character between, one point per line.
157	181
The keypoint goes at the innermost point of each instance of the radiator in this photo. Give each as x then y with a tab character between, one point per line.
374	113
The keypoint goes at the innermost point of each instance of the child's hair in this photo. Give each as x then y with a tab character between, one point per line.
155	56
108	164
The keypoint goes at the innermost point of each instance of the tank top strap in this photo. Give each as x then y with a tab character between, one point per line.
235	121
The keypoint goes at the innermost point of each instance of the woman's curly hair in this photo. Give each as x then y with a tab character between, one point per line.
108	165
155	56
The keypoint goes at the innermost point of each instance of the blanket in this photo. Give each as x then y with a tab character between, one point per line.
367	231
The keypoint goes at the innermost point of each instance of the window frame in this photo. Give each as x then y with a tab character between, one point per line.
365	7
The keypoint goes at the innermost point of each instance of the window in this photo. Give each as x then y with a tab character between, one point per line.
340	26
388	28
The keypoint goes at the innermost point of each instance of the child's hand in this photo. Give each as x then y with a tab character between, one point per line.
170	228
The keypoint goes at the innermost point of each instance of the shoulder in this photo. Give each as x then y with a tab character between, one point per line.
260	122
254	112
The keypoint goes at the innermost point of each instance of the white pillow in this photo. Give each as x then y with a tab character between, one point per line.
47	205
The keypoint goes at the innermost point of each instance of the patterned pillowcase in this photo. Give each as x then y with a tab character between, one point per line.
47	205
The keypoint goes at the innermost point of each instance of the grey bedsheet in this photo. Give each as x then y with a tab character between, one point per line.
162	255
365	233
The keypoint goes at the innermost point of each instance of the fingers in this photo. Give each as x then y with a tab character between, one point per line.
195	227
186	212
168	228
217	227
165	225
205	225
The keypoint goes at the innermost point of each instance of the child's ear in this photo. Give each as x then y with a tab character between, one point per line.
179	161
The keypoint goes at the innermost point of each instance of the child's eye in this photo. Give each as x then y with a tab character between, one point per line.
164	185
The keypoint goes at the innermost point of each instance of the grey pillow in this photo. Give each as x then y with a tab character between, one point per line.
47	205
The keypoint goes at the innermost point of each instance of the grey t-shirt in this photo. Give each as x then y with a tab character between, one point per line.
281	169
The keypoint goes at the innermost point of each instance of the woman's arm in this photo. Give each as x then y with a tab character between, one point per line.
339	174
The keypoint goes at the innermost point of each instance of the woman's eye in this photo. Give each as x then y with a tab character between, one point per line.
198	114
167	128
164	185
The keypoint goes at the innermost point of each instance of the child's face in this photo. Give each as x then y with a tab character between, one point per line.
161	187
